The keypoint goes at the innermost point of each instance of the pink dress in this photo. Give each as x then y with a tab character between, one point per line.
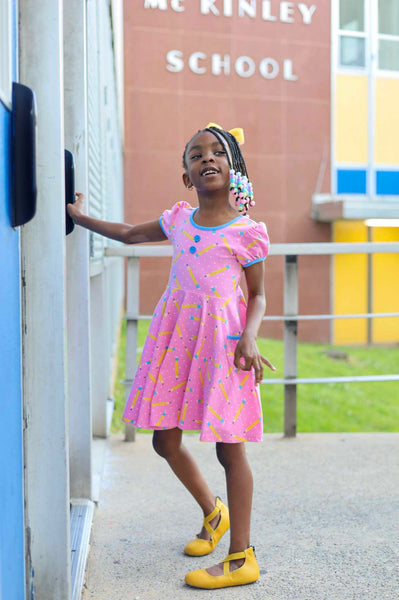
186	377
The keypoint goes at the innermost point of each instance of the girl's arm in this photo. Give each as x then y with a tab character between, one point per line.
151	231
247	348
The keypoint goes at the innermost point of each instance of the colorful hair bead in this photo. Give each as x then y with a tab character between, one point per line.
242	191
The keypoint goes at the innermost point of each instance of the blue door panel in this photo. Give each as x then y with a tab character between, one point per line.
12	555
12	559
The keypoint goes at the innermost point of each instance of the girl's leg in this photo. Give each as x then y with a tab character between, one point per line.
239	482
168	444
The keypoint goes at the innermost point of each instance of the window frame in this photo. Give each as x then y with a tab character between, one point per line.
383	36
365	35
372	38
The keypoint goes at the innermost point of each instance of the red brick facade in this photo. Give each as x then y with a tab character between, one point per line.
263	66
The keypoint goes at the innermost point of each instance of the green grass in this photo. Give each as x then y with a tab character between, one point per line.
119	388
330	407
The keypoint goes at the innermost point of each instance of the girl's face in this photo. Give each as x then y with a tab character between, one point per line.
207	163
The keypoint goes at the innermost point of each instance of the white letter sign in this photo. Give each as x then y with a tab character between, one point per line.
269	68
247	8
245	66
209	6
174	58
267	11
307	12
193	62
218	64
286	12
288	74
176	5
227	8
161	4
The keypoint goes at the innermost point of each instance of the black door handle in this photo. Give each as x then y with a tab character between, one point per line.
69	189
23	154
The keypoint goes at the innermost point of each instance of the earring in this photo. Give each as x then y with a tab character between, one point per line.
189	187
242	191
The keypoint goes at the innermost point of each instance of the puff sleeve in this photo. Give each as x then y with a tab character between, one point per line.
254	246
168	218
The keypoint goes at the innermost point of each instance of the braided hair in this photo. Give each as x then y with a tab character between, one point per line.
240	186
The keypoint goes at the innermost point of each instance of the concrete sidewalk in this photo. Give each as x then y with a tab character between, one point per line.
325	521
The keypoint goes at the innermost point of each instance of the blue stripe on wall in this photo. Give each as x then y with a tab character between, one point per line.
387	182
351	181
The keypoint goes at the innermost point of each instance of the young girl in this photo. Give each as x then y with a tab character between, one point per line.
201	367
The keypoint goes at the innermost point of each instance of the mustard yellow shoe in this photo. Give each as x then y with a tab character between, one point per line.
199	547
247	573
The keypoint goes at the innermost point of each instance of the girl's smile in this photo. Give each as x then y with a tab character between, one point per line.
209	171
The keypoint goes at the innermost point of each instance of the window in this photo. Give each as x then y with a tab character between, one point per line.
388	35
388	17
5	51
351	15
352	52
352	33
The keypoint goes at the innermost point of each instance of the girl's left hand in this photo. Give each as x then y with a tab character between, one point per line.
247	355
77	209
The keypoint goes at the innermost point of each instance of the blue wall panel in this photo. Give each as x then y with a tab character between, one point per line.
351	181
11	457
387	182
12	555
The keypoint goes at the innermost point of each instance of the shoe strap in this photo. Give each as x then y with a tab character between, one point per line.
229	557
211	516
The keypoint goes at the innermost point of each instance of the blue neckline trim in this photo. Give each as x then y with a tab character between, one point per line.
210	228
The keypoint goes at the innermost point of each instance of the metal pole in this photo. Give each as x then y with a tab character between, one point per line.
290	343
370	261
132	307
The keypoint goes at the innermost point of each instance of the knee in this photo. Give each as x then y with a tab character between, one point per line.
164	445
229	454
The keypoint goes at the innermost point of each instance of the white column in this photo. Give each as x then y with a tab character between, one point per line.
78	299
43	318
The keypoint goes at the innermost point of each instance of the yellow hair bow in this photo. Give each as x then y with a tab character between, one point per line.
238	132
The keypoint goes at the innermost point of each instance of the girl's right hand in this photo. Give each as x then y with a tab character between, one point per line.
77	209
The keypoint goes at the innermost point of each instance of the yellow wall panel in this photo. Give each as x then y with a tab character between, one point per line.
351	120
385	274
350	285
386	148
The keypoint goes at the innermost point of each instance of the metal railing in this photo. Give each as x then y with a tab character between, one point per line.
290	315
